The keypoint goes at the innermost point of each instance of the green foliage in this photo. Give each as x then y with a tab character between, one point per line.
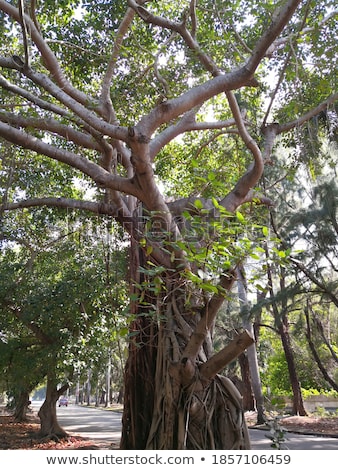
277	376
205	165
212	240
63	281
313	392
64	304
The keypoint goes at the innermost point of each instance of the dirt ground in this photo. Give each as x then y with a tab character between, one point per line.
25	435
312	424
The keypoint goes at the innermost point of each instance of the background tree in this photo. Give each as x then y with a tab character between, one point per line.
314	229
304	222
54	304
111	112
22	367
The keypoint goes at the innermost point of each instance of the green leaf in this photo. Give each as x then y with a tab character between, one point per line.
209	288
215	202
240	217
198	204
265	231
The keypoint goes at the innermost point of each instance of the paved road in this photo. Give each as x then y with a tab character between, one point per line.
95	424
293	441
99	425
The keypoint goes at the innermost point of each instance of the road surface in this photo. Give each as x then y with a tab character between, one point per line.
102	426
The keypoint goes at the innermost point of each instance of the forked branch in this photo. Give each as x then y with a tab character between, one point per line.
207	318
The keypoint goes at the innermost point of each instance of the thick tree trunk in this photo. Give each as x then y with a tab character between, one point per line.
173	401
140	375
47	413
21	407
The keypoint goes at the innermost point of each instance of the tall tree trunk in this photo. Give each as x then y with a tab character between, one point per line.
251	351
108	380
283	326
282	323
89	386
174	398
244	385
47	413
297	401
313	349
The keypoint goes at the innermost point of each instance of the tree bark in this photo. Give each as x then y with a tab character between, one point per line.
282	322
47	413
21	407
244	384
174	400
140	370
297	401
313	349
251	351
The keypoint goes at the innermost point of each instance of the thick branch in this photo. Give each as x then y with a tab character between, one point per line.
186	124
216	363
98	174
252	176
53	126
270	133
116	132
193	17
207	318
81	110
307	116
24	32
64	203
281	17
148	17
173	108
4	83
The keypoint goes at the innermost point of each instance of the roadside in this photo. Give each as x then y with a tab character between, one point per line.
312	424
26	435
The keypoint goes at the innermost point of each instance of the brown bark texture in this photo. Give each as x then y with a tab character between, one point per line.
175	401
49	424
